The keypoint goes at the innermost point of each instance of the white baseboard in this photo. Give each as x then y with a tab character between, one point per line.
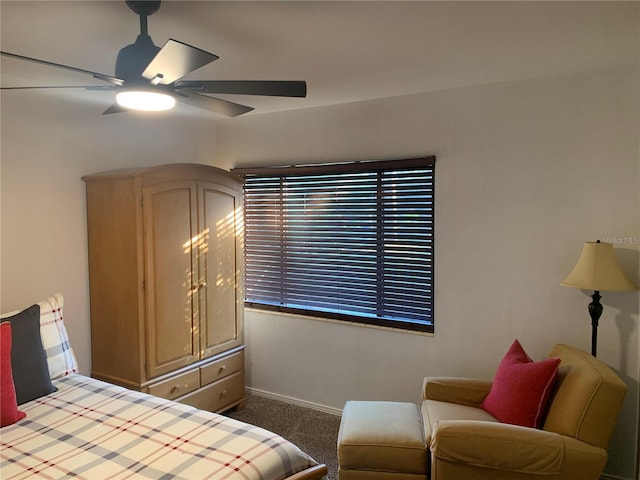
295	401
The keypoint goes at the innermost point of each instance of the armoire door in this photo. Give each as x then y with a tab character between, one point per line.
171	284
219	270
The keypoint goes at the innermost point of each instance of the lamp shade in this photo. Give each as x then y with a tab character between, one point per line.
598	269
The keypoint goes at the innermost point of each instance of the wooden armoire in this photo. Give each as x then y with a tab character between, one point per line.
166	282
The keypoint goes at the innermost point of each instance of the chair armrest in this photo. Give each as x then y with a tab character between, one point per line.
492	445
463	391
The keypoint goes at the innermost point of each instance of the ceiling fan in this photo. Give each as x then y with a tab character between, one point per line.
147	77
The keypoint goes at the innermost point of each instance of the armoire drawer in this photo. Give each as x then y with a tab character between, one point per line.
218	396
177	386
221	368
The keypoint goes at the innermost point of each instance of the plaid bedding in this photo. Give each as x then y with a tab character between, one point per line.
93	430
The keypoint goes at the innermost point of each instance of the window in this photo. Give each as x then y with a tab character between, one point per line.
349	241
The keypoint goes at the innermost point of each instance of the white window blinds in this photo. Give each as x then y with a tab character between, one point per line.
347	241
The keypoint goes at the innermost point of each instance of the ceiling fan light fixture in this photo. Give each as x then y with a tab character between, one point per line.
145	100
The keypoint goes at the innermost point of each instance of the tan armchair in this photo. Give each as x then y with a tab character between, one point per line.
466	442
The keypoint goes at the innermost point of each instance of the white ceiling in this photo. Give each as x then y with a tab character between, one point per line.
346	51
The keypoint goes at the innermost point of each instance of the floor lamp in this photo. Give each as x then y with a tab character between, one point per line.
598	269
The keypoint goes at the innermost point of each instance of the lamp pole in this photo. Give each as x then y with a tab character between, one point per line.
595	310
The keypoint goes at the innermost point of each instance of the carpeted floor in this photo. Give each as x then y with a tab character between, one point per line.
314	432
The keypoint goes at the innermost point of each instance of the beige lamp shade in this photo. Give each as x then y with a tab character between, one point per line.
598	269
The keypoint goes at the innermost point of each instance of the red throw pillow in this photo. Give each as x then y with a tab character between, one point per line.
521	388
9	413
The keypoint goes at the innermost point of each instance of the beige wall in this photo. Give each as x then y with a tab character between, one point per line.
48	142
526	172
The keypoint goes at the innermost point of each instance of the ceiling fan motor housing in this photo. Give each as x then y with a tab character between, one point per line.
134	58
144	7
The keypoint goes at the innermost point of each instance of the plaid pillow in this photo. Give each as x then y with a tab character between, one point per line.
60	357
55	340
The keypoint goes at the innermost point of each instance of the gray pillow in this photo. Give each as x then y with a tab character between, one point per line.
28	358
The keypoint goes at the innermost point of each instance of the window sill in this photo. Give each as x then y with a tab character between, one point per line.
343	322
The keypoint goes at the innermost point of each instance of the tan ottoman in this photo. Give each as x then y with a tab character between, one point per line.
381	440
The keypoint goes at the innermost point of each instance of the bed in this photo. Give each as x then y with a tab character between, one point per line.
84	428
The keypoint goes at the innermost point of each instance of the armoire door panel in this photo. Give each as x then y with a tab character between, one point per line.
218	270
170	261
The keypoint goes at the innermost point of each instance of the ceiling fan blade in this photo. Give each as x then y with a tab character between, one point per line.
86	87
101	88
99	76
115	108
273	88
217	105
174	60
